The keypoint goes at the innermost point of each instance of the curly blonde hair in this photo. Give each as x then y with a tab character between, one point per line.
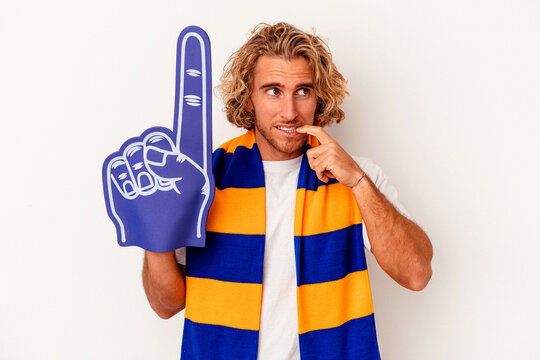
288	42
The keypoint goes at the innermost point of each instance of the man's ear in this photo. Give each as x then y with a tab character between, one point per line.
249	106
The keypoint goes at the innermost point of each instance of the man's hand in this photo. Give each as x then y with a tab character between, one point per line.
159	186
330	160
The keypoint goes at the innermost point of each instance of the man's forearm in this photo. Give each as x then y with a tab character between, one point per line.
401	247
163	283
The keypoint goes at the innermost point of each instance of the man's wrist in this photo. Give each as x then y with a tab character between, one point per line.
361	177
158	260
358	181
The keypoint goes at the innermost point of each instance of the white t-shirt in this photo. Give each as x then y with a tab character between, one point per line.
278	335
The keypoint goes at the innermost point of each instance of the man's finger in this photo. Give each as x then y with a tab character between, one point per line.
319	165
316	131
312	157
318	150
193	103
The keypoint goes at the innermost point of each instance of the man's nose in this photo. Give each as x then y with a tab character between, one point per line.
288	108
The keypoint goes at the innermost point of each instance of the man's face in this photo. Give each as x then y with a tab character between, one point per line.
282	100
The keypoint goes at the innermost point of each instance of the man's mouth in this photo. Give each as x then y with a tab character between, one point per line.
288	129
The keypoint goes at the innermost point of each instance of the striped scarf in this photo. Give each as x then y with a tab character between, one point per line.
224	279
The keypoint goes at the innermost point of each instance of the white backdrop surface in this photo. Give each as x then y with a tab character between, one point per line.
444	96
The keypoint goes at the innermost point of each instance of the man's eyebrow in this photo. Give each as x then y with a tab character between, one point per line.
276	84
270	85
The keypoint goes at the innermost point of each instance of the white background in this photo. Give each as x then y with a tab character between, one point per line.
444	96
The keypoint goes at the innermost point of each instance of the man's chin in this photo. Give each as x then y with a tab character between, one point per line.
292	148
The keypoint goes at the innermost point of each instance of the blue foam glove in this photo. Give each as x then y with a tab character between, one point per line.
159	186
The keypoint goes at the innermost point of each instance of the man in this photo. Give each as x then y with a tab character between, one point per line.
283	275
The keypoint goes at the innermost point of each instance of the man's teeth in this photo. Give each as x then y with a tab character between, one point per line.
287	129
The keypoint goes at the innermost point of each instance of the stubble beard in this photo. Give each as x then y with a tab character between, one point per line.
289	148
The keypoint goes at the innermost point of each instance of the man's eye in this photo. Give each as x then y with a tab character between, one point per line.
273	91
303	91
